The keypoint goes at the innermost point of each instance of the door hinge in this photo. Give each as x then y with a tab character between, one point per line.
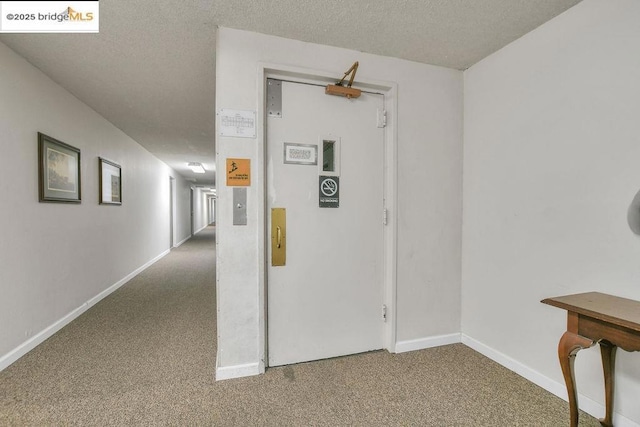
384	313
274	98
385	216
381	118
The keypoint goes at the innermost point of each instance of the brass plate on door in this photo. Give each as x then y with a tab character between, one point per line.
278	237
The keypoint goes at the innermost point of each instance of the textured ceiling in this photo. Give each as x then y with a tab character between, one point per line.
151	69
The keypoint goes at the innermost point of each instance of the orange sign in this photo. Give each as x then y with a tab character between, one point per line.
238	172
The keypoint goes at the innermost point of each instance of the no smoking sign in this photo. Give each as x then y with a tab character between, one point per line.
329	194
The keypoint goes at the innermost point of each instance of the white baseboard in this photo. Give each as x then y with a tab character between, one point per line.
422	343
46	333
588	405
249	369
237	371
40	337
182	241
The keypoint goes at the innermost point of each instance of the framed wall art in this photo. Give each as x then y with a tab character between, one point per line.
58	171
110	182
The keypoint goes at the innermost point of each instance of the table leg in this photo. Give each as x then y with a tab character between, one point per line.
569	345
608	352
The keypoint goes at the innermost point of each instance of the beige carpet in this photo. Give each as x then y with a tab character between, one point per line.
145	355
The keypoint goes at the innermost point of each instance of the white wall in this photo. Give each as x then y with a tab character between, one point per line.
551	164
429	142
56	257
183	209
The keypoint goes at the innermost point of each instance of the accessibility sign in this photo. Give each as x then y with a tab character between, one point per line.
329	193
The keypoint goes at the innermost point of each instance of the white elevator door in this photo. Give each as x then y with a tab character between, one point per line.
327	300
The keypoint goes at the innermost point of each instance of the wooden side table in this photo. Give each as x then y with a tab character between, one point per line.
593	318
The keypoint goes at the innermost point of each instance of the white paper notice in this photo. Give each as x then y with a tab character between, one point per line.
238	123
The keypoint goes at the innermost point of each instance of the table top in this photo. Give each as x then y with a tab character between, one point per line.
615	310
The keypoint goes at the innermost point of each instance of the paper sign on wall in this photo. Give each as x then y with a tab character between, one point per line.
237	123
238	172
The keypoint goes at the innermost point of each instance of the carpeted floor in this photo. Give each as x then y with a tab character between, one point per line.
145	355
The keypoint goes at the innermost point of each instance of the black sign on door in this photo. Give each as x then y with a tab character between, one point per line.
329	193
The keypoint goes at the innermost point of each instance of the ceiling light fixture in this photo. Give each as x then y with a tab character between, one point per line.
196	167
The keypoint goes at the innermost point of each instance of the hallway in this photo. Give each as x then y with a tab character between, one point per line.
145	355
128	358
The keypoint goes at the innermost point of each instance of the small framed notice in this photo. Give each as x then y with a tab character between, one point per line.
300	154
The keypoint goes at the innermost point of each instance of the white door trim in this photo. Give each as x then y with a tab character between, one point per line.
390	91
